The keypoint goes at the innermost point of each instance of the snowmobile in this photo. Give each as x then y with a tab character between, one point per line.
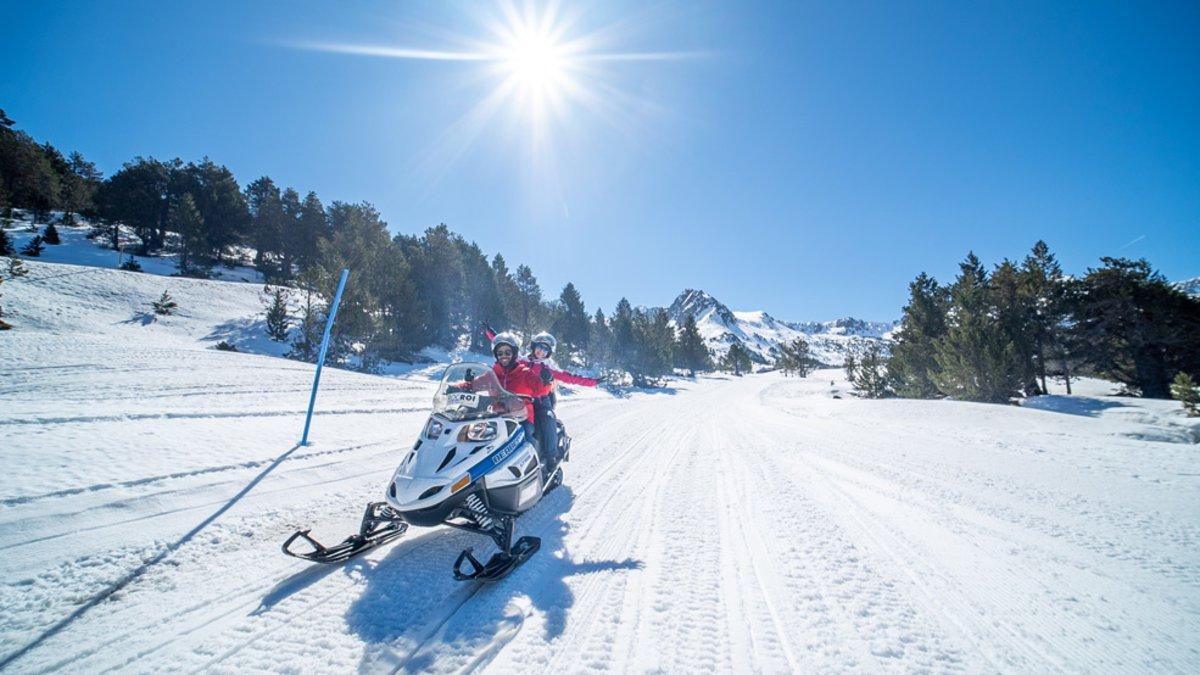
473	467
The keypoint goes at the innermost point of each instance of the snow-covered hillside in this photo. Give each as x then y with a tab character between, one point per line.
722	524
77	249
829	341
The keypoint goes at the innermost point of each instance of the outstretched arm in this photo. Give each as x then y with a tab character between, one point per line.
569	378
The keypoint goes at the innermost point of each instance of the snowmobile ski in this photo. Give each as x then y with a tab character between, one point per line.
500	565
380	524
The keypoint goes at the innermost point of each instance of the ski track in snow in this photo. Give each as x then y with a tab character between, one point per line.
734	525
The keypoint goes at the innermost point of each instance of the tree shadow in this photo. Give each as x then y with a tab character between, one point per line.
141	318
242	330
1071	405
411	607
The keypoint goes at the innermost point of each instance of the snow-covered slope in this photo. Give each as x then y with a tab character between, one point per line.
756	524
77	249
829	342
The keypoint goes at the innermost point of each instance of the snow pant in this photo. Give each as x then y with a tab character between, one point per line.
547	424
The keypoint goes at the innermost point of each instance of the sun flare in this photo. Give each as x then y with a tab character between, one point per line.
548	79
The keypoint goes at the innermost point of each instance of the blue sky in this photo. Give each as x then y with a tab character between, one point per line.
804	158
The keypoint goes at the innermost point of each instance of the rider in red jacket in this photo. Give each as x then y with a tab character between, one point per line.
539	363
516	375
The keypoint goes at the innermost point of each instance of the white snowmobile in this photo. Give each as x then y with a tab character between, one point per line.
473	468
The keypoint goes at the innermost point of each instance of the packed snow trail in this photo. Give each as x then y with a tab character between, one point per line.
729	524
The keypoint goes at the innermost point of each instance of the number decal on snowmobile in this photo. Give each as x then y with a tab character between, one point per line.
465	400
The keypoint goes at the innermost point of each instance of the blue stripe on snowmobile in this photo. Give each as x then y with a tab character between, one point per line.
496	458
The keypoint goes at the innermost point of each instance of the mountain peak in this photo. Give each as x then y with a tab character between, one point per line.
700	305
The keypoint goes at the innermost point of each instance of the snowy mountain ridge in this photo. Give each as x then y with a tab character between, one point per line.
761	333
1189	286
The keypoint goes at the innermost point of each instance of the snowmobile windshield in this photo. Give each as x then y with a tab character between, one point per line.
471	391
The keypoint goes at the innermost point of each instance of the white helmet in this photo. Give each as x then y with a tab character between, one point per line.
545	340
506	338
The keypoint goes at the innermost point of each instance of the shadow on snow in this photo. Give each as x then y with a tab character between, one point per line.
411	606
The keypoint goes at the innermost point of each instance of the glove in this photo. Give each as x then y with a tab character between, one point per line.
546	374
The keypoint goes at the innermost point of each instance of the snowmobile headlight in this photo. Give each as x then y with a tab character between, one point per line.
433	429
477	432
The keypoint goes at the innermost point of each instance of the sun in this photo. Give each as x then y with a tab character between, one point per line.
535	62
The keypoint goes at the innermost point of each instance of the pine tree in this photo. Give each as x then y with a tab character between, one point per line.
140	196
34	248
913	360
1013	311
266	225
1183	389
737	359
50	235
624	345
691	351
976	359
1045	288
483	303
529	302
221	204
653	339
794	358
184	218
868	374
6	245
289	235
165	305
1131	326
570	324
306	344
278	321
312	227
599	341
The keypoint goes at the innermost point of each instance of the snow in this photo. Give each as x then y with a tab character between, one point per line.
760	523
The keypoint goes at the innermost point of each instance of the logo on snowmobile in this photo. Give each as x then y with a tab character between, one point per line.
464	400
510	446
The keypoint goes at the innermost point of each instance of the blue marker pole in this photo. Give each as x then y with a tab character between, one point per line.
312	400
